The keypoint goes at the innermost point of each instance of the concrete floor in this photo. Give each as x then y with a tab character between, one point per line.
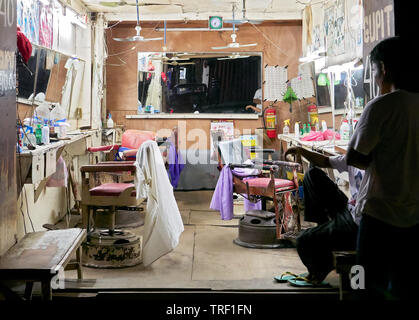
205	257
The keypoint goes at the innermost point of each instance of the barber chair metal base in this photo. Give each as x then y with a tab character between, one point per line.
118	250
257	229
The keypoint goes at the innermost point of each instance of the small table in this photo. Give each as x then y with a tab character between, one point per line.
40	256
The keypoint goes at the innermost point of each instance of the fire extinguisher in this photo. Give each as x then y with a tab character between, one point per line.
269	121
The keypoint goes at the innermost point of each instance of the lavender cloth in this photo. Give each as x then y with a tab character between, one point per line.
248	205
176	165
222	199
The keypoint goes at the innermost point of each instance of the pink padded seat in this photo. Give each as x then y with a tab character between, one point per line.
264	182
111	189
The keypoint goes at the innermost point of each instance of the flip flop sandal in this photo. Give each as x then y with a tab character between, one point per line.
304	282
289	276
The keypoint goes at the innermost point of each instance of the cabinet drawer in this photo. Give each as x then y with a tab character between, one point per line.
38	168
50	162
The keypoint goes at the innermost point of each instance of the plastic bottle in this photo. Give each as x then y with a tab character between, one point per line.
38	134
62	129
140	108
45	133
297	130
286	129
324	126
20	136
304	130
308	128
344	131
316	123
29	138
109	124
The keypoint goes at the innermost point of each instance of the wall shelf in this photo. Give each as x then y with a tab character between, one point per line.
193	116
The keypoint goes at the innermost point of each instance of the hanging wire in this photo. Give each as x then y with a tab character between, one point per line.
274	44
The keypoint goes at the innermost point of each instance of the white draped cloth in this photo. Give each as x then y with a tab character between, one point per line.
163	223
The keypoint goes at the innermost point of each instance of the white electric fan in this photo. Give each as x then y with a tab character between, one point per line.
234	44
233	56
137	37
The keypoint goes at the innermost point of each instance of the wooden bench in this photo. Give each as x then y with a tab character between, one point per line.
40	256
343	262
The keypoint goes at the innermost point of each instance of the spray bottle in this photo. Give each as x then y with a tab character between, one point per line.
297	130
286	129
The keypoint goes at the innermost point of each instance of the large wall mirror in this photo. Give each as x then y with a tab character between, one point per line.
221	82
58	78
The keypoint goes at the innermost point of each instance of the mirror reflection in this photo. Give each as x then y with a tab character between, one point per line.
199	82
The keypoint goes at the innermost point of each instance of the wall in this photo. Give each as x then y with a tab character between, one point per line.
8	215
279	42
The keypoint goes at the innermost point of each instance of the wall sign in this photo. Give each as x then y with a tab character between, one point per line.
378	25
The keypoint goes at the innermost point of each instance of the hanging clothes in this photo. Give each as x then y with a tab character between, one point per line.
163	223
176	162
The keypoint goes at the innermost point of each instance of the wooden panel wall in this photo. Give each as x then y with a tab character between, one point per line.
8	215
279	42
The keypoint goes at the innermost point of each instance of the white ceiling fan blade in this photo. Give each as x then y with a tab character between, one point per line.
135	38
151	39
220	48
248	45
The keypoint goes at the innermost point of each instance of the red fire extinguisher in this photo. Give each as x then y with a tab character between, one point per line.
269	119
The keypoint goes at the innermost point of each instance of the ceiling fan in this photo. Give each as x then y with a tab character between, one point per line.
175	63
234	44
114	4
233	56
137	37
244	19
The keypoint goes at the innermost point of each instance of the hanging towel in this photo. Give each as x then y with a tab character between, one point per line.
176	164
222	199
163	223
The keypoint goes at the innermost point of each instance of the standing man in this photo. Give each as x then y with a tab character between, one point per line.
386	144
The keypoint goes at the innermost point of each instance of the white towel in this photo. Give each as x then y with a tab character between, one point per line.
163	223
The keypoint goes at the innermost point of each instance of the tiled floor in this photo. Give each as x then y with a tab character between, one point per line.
206	254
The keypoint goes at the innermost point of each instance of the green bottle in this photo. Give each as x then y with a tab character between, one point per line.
38	134
308	128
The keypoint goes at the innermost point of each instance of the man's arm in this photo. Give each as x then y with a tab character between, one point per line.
357	159
257	101
316	158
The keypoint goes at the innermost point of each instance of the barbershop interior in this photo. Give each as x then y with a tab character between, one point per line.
162	148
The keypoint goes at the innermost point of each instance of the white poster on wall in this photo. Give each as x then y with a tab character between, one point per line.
275	84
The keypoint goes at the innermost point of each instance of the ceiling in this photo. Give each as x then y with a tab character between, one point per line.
188	10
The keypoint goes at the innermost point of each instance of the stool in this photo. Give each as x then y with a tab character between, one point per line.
343	262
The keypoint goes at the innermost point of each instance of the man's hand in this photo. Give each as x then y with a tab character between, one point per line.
255	109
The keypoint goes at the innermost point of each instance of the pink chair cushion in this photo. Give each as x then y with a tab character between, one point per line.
133	139
264	182
110	189
103	148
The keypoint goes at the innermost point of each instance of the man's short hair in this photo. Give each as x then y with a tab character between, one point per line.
399	63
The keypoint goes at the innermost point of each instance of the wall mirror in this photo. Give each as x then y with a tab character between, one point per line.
220	82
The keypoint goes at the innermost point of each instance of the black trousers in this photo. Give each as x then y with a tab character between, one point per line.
326	205
389	256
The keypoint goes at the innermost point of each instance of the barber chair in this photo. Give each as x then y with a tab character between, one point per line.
262	228
110	247
130	143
